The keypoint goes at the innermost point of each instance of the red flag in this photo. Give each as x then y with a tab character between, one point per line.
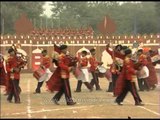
107	26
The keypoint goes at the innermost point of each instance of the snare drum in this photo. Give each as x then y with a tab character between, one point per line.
156	59
38	73
101	71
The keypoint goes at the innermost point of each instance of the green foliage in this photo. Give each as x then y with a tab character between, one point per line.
11	11
130	18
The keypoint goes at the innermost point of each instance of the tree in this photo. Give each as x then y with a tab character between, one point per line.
130	18
157	9
11	11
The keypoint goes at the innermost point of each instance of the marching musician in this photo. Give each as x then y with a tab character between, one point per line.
143	74
13	72
3	76
142	59
63	64
127	83
93	67
45	65
83	76
152	79
117	56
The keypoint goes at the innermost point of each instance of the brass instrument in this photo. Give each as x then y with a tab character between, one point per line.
115	65
71	59
22	59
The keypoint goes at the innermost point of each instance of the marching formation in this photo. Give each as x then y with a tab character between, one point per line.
128	67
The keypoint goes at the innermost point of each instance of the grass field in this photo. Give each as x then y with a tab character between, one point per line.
96	104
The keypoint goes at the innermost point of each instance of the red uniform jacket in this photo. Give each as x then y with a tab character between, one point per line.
129	68
12	63
94	63
46	62
63	63
128	72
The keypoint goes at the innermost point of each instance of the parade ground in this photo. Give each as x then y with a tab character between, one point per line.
103	37
96	104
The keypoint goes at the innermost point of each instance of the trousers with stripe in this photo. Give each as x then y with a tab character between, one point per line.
65	89
15	90
129	86
95	81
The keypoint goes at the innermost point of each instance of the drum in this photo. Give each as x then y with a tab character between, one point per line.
76	72
155	59
39	73
101	71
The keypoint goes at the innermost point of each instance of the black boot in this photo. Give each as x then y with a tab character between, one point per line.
88	86
79	84
38	89
110	88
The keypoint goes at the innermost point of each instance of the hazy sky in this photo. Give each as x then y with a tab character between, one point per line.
48	11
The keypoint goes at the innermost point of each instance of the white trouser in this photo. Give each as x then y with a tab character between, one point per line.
85	76
46	76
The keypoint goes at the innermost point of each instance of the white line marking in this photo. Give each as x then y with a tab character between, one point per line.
70	108
152	104
48	110
156	113
29	112
149	110
8	114
29	100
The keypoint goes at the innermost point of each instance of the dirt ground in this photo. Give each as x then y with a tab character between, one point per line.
96	104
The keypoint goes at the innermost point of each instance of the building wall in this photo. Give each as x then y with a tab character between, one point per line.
30	43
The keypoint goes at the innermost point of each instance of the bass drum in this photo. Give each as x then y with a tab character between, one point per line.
101	71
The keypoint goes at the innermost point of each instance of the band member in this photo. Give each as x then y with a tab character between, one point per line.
2	71
3	75
45	64
152	79
63	64
54	83
13	72
143	74
128	83
142	60
93	67
83	76
117	56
